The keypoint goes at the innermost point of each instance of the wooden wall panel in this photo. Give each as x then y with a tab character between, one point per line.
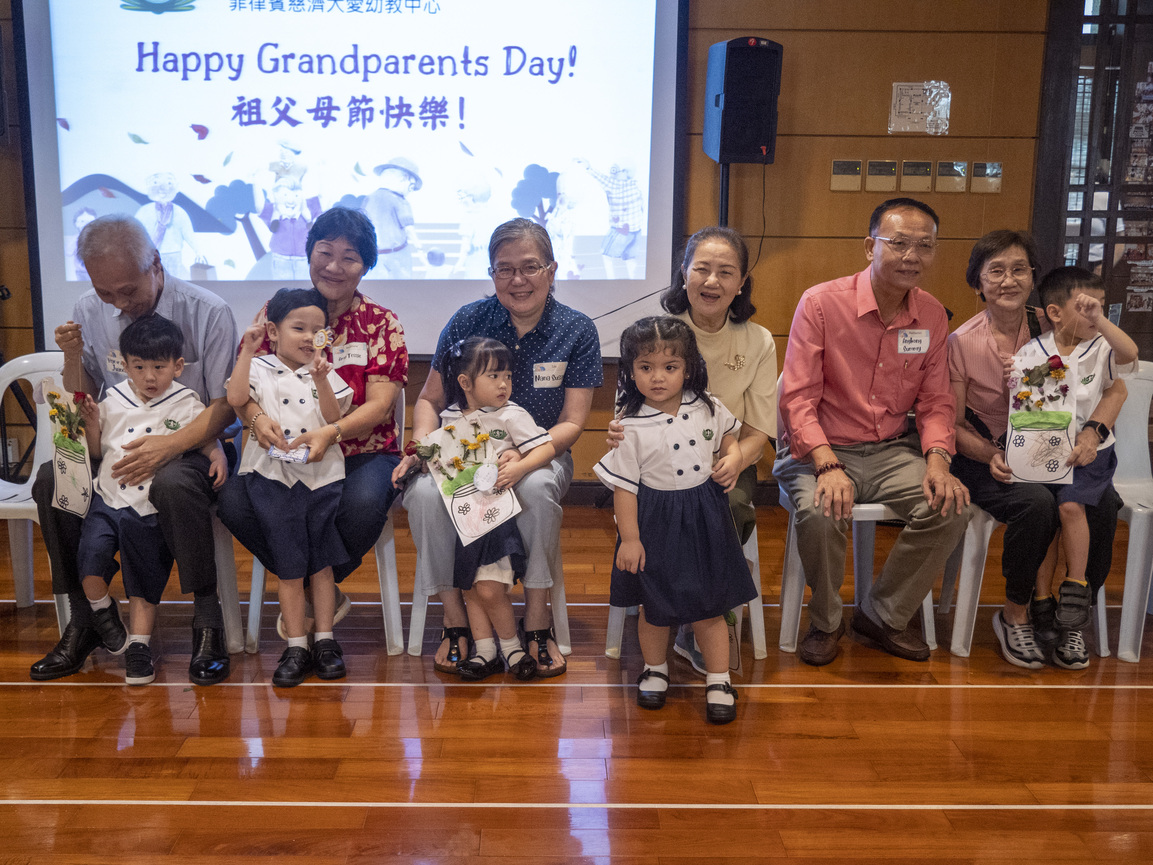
873	15
799	203
841	83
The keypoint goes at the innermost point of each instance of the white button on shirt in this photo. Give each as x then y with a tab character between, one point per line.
289	398
124	417
668	452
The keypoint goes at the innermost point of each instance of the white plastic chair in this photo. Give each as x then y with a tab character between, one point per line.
386	570
966	569
616	624
1134	483
865	519
16	505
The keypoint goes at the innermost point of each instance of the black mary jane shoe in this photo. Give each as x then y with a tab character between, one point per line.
521	665
452	663
719	713
651	699
67	656
295	666
328	659
477	668
210	663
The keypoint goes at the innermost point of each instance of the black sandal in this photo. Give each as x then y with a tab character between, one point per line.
523	667
543	656
476	668
455	658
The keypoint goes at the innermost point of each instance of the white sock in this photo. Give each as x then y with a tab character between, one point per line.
146	639
103	603
298	642
486	648
512	644
654	683
722	697
324	635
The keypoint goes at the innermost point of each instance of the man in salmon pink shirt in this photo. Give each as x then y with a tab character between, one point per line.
864	351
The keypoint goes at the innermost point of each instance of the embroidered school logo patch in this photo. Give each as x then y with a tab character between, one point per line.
1089	378
171	424
498	434
708	434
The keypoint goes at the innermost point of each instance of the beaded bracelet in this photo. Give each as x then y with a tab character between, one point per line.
828	467
252	424
339	432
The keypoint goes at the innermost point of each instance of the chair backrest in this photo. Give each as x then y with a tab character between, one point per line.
33	368
1132	430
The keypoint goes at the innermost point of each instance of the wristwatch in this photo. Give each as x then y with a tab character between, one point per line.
1097	427
942	453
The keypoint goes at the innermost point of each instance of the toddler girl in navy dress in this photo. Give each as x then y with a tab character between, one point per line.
678	555
483	420
296	501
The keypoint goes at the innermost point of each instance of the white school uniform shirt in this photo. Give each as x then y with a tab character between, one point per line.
1095	368
125	417
290	399
518	428
668	452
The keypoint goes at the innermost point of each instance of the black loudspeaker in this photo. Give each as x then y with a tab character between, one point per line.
741	90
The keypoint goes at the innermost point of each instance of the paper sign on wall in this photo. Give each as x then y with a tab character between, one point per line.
920	106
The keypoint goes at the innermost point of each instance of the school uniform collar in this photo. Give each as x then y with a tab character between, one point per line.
128	396
273	362
691	401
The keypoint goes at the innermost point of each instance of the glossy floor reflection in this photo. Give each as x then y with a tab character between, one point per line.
870	759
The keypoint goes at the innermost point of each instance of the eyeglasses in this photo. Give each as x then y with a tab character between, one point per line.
901	245
998	274
506	272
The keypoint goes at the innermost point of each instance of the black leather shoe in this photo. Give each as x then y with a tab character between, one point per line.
719	713
328	658
68	656
210	662
651	699
113	635
295	666
477	668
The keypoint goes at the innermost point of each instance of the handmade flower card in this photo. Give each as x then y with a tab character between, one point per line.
72	466
464	463
1042	399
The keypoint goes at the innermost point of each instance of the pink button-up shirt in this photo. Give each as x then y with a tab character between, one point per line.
850	378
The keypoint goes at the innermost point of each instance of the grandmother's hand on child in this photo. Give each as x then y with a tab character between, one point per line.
616	433
318	442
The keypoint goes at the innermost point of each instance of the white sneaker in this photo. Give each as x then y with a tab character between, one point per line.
1071	652
1018	645
343	606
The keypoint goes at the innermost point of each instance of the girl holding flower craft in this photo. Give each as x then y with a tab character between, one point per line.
491	443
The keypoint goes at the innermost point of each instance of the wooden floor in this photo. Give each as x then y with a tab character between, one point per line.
870	759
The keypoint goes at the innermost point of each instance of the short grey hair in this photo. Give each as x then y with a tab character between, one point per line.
116	235
518	229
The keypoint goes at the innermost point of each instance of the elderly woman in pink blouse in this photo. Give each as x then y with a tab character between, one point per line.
1002	269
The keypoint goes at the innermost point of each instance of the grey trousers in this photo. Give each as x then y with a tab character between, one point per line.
539	492
888	473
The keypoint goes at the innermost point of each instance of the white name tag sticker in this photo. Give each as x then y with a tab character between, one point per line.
549	374
114	363
354	353
912	341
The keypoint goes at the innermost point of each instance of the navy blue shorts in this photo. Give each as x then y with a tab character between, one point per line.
144	556
1089	482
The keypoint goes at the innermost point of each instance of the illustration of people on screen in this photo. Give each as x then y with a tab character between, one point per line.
626	216
285	214
475	227
73	265
390	212
286	164
168	224
561	225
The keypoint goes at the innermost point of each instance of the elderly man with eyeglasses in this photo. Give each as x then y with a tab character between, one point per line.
863	351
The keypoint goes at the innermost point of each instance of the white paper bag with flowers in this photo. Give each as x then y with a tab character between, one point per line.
1042	405
465	468
71	464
